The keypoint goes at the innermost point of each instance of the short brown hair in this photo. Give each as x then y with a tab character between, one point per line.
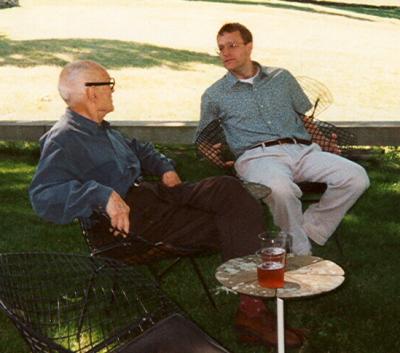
235	26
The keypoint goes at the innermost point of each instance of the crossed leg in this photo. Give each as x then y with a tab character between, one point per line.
281	167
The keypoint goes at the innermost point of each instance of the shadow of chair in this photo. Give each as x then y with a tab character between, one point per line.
72	303
136	250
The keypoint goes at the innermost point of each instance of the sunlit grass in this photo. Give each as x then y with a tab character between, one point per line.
340	321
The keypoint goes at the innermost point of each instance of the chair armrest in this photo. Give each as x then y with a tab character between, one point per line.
328	136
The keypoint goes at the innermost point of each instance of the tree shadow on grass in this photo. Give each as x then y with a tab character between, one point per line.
113	54
380	11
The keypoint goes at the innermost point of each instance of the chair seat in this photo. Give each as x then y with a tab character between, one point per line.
136	250
175	334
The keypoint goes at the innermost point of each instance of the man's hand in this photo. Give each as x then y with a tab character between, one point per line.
213	153
171	179
118	211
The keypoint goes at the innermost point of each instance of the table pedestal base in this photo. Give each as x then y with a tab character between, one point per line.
280	322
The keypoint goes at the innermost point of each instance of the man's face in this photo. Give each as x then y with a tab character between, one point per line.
234	53
104	102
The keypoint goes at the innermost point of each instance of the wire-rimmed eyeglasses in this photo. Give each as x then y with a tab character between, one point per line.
229	46
110	83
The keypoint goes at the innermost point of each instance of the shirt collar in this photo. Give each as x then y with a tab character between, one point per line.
84	123
231	80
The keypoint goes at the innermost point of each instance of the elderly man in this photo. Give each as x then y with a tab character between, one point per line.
261	110
85	165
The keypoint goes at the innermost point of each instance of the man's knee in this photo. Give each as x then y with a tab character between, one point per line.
222	188
284	190
228	183
359	179
233	194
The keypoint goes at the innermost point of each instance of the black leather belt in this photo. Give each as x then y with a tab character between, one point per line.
282	142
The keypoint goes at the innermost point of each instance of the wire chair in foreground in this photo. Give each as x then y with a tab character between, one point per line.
136	250
71	303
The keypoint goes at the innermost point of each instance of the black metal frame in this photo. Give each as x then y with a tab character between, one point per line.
68	303
133	249
213	134
74	303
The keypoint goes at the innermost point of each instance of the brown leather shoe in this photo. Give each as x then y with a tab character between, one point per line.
262	329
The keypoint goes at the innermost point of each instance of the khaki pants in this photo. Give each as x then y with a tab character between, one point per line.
280	167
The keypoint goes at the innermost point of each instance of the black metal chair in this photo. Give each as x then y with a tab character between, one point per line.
136	250
71	303
213	135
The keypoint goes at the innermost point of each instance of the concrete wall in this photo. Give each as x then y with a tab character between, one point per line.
368	133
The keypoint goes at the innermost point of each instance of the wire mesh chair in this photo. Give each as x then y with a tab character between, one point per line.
71	303
322	132
136	250
211	143
213	135
317	93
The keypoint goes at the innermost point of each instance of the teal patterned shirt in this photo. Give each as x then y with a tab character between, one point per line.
266	110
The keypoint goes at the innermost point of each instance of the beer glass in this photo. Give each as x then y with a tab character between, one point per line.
270	271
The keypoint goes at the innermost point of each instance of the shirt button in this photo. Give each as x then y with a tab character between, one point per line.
261	106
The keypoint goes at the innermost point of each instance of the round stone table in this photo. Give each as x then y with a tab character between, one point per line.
304	276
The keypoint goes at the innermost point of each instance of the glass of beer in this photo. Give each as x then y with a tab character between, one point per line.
271	270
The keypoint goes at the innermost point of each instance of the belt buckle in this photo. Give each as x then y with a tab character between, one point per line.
139	180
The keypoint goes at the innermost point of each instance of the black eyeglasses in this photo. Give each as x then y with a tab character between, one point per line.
110	83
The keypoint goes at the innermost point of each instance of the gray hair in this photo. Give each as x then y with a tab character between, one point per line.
72	78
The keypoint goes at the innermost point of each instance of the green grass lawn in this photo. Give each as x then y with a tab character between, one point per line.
361	316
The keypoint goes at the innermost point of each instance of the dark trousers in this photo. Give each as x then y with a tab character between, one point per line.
216	212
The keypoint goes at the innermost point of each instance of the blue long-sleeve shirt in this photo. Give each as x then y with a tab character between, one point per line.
82	162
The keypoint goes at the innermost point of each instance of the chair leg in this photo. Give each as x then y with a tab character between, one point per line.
203	282
339	244
159	276
165	270
86	300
